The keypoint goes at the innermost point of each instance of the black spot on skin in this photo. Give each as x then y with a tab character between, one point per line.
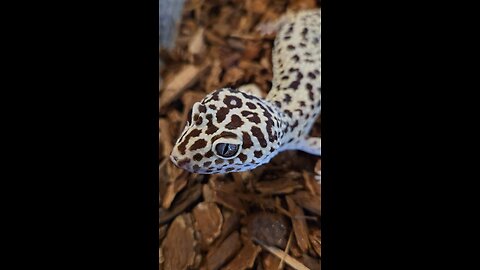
310	95
308	54
251	116
295	124
300	112
301	103
213	107
183	162
308	86
247	141
317	72
196	167
294	85
182	146
272	149
200	143
290	29
209	171
312	75
229	169
302	45
218	161
257	154
242	157
221	114
257	132
206	164
304	31
286	37
291	140
296	58
224	134
235	122
232	102
199	121
315	40
230	161
202	108
291	47
287	99
209	154
307	116
211	128
291	70
197	157
289	113
278	104
284	78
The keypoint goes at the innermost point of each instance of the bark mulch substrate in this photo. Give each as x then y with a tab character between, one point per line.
268	218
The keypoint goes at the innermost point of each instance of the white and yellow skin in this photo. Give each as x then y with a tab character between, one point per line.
233	131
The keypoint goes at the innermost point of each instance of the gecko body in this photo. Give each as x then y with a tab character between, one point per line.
232	131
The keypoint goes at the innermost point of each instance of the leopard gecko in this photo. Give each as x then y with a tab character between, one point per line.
231	130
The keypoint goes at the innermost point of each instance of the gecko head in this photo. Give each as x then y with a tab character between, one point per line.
228	131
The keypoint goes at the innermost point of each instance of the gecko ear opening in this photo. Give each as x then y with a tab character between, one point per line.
227	148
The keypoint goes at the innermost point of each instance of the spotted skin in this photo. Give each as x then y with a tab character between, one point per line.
260	127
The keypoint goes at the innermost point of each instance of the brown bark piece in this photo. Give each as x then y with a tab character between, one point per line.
245	258
299	225
185	78
208	221
197	46
308	201
311	263
270	262
220	255
231	223
233	75
281	186
213	80
270	228
166	137
316	241
186	199
178	249
311	184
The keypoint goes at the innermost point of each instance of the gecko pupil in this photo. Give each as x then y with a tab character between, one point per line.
226	149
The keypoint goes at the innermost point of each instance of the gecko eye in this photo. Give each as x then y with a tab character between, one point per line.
226	150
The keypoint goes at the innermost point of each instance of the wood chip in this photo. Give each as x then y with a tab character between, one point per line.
299	224
287	258
281	186
220	255
311	184
178	249
197	47
316	241
213	80
172	189
166	142
208	221
245	258
190	197
308	201
188	76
